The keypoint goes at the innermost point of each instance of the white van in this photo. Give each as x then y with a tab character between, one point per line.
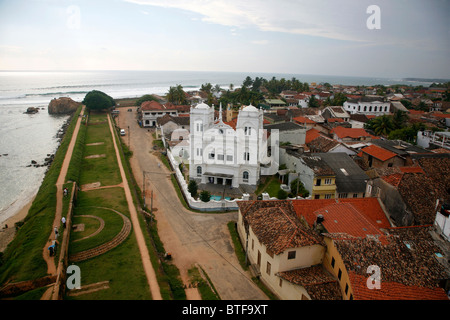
122	132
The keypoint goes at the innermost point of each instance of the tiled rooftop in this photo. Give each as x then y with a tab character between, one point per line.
342	132
392	290
379	153
369	208
276	225
311	134
322	144
152	105
318	282
406	259
344	217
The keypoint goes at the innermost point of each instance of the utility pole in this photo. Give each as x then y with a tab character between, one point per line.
143	187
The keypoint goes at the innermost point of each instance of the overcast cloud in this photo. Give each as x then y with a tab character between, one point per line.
283	36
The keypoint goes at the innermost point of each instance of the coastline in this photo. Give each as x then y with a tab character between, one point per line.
7	234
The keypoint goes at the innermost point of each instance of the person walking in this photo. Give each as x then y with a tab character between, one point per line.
63	220
51	250
56	233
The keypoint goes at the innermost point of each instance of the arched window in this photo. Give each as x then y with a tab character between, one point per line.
245	176
199	171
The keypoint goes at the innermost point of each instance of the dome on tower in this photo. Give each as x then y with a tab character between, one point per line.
202	106
250	108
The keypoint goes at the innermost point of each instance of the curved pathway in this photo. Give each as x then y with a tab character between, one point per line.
102	225
103	248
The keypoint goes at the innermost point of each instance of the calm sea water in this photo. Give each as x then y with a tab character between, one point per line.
24	137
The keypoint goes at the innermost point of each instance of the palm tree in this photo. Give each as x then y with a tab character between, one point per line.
399	119
382	125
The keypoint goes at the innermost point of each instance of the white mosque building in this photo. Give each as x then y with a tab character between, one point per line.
222	155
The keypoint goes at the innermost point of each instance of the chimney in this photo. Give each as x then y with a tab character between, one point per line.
319	219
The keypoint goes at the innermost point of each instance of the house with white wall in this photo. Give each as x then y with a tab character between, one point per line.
368	105
281	249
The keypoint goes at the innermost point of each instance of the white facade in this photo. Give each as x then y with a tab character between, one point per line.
269	266
221	155
376	108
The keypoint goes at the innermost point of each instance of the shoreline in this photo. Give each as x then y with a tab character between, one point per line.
7	234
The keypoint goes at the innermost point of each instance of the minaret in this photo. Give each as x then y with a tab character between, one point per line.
220	112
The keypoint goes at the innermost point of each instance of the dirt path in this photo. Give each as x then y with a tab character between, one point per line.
148	268
51	266
191	238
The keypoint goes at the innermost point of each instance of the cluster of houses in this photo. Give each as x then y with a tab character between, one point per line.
376	223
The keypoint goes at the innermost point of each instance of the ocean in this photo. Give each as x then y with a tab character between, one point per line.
26	137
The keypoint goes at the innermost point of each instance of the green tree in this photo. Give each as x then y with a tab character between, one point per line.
177	95
282	194
313	103
248	82
217	88
205	196
399	119
295	185
381	125
339	99
193	188
207	87
147	97
97	100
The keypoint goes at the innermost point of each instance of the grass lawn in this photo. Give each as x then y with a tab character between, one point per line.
121	266
272	186
99	163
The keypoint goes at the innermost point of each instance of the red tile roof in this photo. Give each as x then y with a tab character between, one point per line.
318	282
406	259
343	217
303	120
369	208
311	134
342	132
392	290
152	105
335	120
378	152
276	225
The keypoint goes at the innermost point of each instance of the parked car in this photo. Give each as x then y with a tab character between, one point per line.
122	132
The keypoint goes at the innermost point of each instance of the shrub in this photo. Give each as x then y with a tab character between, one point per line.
282	194
193	188
97	100
205	196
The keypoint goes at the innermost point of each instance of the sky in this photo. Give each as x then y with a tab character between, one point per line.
397	38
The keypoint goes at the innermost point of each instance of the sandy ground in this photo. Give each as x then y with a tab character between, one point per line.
7	234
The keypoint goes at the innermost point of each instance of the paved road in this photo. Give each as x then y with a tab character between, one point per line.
191	238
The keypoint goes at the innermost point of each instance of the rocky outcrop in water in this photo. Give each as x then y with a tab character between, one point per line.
32	110
62	105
